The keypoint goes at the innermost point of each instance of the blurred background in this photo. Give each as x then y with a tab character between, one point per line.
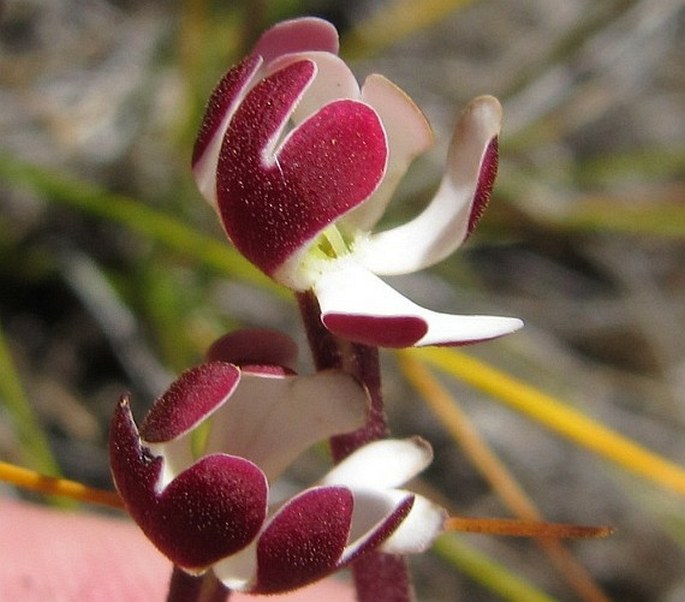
114	275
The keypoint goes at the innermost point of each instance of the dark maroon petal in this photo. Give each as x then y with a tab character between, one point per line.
332	162
305	540
378	331
210	511
255	346
191	398
222	101
486	180
135	471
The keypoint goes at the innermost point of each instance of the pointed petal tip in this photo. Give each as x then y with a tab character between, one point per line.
456	331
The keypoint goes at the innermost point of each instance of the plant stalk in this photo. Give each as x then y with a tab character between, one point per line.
377	576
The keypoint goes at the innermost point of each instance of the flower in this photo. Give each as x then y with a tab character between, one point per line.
196	476
300	164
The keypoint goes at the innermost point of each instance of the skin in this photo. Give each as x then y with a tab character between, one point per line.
48	554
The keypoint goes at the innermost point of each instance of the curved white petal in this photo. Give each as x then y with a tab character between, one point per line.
382	464
409	135
357	305
444	223
270	420
418	530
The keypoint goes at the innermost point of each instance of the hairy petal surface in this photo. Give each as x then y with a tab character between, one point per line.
458	204
191	398
305	540
359	306
211	510
274	201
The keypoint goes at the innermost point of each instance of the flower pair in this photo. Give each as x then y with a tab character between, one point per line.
198	475
300	163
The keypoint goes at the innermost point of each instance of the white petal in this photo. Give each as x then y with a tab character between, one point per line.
358	305
417	532
409	135
238	572
443	225
382	464
272	420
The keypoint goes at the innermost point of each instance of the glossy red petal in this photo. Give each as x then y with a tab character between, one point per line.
273	201
210	511
305	540
190	399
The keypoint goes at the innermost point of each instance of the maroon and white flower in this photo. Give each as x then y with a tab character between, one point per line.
300	163
197	476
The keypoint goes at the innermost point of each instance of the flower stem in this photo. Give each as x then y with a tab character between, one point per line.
377	576
189	588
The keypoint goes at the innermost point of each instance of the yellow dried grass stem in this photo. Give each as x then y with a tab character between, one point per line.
557	416
34	481
495	472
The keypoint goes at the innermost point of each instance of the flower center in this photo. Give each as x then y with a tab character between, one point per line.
330	244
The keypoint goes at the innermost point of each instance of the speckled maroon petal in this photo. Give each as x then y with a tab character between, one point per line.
191	398
273	204
212	510
226	93
305	540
